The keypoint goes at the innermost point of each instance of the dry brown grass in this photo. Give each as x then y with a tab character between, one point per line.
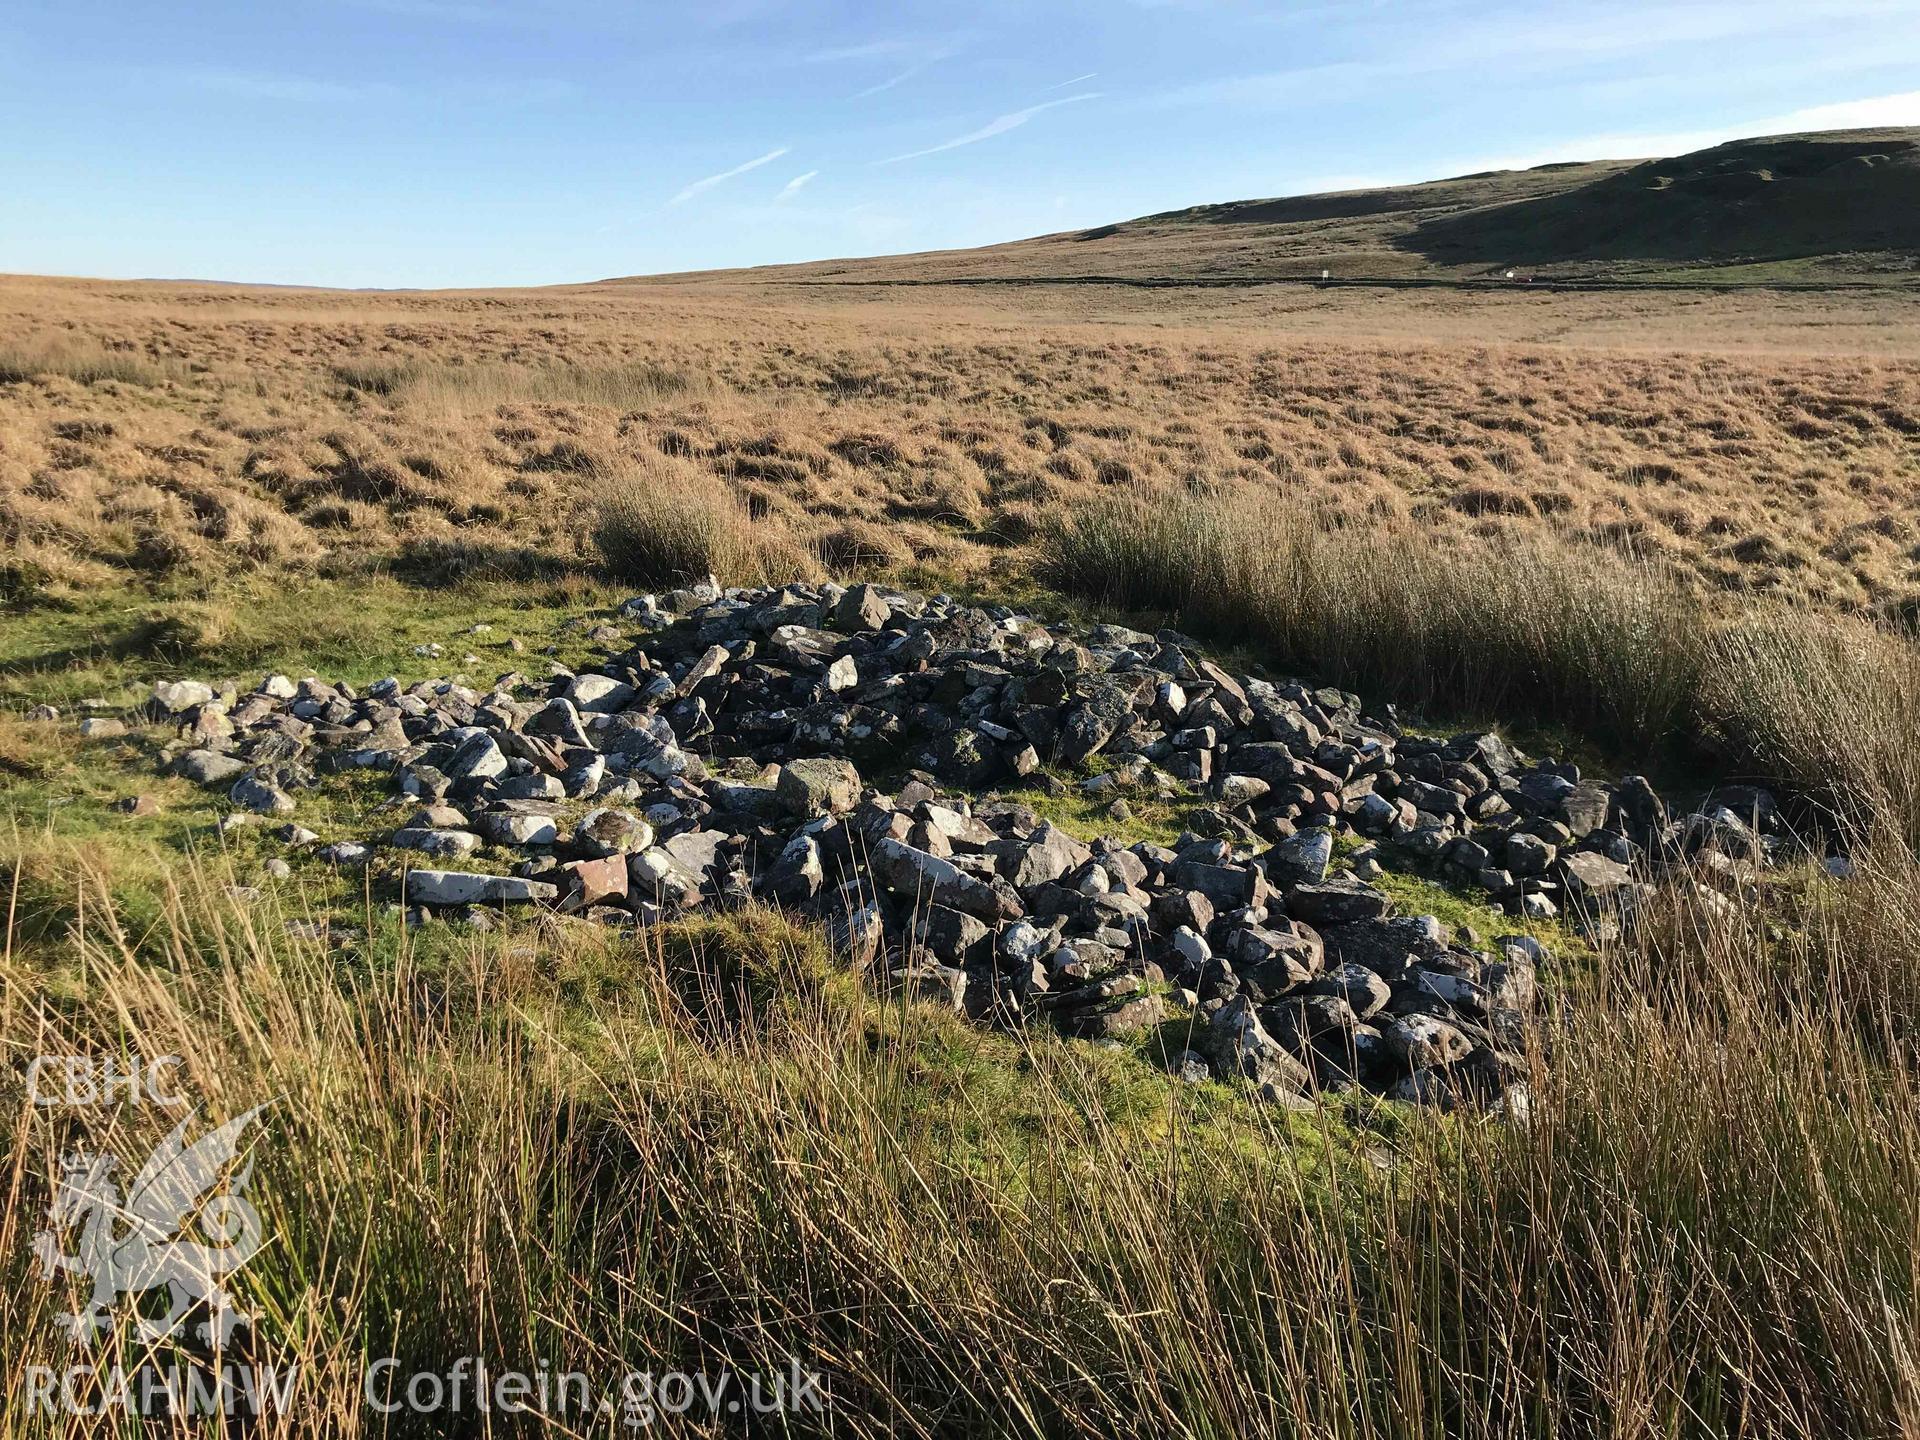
664	522
1605	644
306	429
1707	1227
1704	1230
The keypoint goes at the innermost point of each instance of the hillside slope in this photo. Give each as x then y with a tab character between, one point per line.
1791	197
1836	206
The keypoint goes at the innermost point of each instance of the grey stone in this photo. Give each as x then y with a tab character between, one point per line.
862	608
1241	1049
1545	790
508	828
1336	902
1453	990
253	793
798	874
1528	855
1271	962
1228	887
1585	807
1023	942
531	787
1238	790
648	744
1089	727
1593	878
1510	984
610	831
1046	855
1301	859
599	694
1385	945
655	872
698	852
1484	749
436	817
208	767
952	935
1424	1087
458	887
1191	946
813	787
927	878
1365	993
843	674
173	697
478	758
441	844
1299	1019
558	719
1424	1041
1114	1022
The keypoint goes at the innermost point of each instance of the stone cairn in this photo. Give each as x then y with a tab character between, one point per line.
720	759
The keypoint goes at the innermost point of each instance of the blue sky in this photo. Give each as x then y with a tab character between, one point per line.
469	142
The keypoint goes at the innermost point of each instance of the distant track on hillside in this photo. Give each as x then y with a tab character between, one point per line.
1371	282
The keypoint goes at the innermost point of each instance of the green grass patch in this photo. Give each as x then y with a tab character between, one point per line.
114	644
1088	817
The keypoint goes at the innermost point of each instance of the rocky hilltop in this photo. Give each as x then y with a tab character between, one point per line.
861	755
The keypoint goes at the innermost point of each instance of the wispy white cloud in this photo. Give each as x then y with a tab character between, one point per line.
1076	80
868	50
998	126
914	55
708	182
888	84
794	186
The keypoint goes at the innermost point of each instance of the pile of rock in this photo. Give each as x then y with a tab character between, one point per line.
721	758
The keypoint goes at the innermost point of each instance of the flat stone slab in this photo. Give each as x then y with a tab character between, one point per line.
460	887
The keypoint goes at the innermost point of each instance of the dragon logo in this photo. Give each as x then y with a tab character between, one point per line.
136	1244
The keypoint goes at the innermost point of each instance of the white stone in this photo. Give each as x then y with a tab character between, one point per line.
1192	946
458	887
437	842
599	694
173	696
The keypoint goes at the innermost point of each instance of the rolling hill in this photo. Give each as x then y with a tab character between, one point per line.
1833	207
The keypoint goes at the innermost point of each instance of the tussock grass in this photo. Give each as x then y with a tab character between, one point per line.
83	361
955	425
1612	647
979	1234
714	1147
1828	706
1500	628
661	523
618	385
